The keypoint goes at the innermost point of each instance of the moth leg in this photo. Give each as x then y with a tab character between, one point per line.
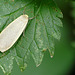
32	17
2	55
23	33
22	36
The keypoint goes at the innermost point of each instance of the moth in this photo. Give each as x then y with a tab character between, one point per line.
12	32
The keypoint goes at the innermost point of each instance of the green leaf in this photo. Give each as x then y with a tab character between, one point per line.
39	34
6	63
73	5
73	15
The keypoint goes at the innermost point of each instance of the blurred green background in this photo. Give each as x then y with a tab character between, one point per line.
63	61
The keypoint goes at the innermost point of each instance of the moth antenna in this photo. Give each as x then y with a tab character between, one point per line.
24	11
33	17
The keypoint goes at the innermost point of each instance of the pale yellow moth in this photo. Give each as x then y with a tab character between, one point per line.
12	32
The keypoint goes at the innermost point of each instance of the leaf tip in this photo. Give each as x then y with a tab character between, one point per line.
23	67
51	53
51	56
38	65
